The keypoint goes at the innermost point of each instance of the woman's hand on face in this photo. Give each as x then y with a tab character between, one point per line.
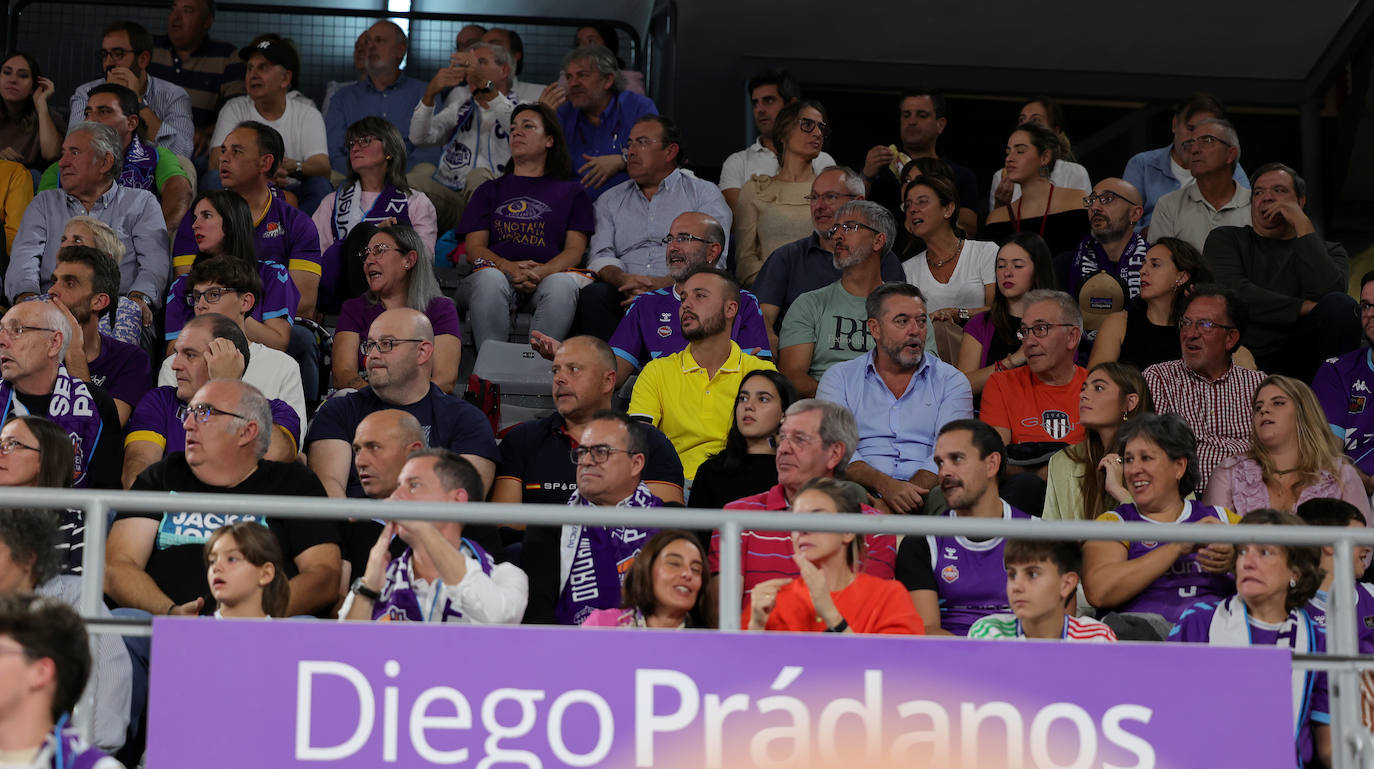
1003	192
42	89
1115	484
814	579
762	599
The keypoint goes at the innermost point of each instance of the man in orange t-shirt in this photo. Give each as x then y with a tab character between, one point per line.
1038	402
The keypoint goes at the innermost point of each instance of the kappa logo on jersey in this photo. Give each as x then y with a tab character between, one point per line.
1056	424
664	332
524	209
1359	386
949	573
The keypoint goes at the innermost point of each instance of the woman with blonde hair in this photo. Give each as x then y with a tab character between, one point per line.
1085	479
1293	457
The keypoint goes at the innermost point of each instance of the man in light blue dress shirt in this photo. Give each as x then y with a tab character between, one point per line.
125	50
900	397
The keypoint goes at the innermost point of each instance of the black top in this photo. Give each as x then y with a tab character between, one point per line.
714	488
177	561
1146	344
1062	232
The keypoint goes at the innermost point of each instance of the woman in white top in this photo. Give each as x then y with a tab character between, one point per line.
955	274
1066	172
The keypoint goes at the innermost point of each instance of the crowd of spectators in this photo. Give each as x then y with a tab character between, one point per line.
215	286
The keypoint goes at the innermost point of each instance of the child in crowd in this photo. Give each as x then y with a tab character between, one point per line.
1042	589
243	563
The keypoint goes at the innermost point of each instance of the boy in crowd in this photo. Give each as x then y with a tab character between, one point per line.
1042	589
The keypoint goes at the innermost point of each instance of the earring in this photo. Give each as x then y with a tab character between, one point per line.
1292	583
1125	415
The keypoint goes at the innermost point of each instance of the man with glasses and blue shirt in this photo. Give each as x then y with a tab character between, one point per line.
1215	199
626	250
211	346
1205	387
399	349
900	398
155	561
34	337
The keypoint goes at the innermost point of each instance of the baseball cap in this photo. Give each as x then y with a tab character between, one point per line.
276	51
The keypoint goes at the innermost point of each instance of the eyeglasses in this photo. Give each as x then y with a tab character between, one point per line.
797	438
642	142
1202	325
1206	140
210	295
1106	198
850	227
379	249
383	345
829	197
808	125
9	445
17	330
1364	308
361	141
203	411
599	453
684	237
1040	330
113	53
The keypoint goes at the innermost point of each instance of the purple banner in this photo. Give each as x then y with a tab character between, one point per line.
283	694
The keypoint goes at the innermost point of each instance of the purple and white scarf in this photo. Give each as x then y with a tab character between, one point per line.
73	408
1091	259
593	560
400	603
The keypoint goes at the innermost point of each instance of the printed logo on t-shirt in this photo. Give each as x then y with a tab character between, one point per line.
949	573
952	553
524	209
1055	423
195	528
665	317
1360	386
665	331
1356	405
273	230
850	334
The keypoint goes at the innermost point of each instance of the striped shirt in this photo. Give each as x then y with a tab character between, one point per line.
1218	411
167	100
768	554
1008	626
211	75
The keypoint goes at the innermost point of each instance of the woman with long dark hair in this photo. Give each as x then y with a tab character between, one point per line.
746	466
1085	479
30	131
1055	213
526	232
990	343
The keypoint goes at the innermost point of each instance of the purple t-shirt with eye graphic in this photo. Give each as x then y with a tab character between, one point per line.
528	216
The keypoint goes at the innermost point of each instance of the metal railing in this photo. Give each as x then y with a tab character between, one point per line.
1353	744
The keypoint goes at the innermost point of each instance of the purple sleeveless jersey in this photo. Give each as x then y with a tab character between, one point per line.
1185	583
970	576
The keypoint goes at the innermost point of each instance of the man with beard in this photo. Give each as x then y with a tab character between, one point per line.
126	49
383	91
85	284
647	331
598	116
900	397
829	325
1112	245
954	581
1216	199
690	395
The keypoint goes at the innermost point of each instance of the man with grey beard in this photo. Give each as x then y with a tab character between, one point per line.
829	325
1112	247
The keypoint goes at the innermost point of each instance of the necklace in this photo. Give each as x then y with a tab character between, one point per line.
958	249
1285	472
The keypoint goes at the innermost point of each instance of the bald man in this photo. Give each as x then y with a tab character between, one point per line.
381	444
1112	246
400	360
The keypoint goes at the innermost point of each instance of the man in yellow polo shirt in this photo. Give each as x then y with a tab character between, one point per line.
690	395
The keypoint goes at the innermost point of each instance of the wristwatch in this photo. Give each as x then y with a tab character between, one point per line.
299	167
139	297
963	313
363	590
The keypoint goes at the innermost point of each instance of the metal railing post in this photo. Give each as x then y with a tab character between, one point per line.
731	578
1343	686
93	516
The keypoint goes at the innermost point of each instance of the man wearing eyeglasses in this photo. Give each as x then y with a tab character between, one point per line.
34	337
155	561
1215	199
610	458
1205	387
384	91
829	325
210	346
808	264
626	250
1292	281
399	350
126	49
1038	403
769	92
1111	245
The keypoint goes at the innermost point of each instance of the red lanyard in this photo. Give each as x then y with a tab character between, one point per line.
1016	216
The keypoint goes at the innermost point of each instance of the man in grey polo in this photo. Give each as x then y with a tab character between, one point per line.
1215	199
